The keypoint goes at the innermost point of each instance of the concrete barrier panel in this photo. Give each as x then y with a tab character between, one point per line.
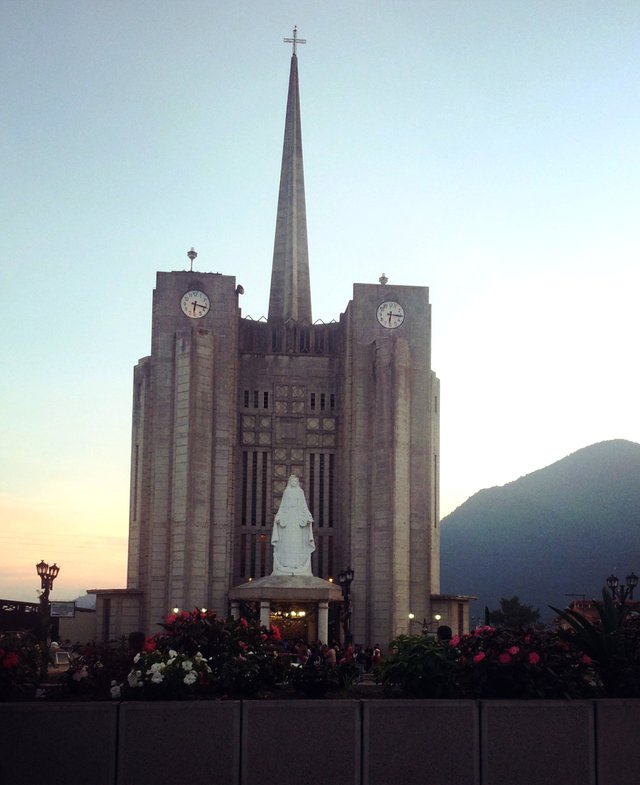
178	742
301	742
421	742
618	741
58	743
537	742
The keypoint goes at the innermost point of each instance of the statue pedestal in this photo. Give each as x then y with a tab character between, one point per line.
288	589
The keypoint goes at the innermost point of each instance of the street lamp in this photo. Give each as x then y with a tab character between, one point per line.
47	576
413	620
345	579
426	625
622	593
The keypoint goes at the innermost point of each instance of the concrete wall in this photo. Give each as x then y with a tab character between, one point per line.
373	742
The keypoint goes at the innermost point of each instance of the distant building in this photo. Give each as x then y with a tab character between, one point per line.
588	609
226	408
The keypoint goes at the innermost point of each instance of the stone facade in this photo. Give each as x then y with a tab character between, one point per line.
226	408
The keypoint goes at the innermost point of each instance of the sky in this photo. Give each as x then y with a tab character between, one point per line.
488	150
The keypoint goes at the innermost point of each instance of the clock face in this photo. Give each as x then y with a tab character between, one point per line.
195	304
390	314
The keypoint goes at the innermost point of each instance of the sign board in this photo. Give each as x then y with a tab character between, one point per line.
63	610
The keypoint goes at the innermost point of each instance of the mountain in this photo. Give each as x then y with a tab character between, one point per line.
556	532
86	601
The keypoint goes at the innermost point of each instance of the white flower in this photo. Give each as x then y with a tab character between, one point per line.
190	678
173	653
157	677
134	679
137	657
187	665
156	668
198	656
115	690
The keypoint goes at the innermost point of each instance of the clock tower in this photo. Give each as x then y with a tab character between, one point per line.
226	408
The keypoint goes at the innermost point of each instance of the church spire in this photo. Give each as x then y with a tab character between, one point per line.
290	296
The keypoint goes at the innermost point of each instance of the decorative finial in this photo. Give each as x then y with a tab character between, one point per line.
192	255
383	279
295	40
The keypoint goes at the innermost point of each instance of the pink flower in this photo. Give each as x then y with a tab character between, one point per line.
479	656
587	659
454	641
534	658
276	633
244	623
171	618
514	650
504	658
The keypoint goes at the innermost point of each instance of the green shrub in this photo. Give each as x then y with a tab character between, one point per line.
20	659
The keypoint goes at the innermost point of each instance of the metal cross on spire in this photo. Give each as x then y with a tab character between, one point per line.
295	40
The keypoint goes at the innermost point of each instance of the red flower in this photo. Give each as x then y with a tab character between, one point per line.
514	650
504	658
479	656
10	660
170	618
454	641
149	644
263	636
244	623
276	633
587	659
534	658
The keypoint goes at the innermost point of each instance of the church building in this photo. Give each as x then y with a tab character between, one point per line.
226	409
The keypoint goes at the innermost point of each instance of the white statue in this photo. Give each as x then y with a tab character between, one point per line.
292	535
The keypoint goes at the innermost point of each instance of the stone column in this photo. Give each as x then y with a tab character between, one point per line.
265	613
235	609
323	621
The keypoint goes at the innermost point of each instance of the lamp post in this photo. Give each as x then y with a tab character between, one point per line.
426	625
47	576
619	592
345	579
413	620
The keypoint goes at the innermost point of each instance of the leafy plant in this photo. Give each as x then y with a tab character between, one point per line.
613	643
95	668
20	659
506	663
420	666
167	675
488	663
242	655
316	678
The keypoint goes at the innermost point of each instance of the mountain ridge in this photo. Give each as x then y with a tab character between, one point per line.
550	534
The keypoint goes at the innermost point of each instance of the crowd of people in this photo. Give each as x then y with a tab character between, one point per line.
365	658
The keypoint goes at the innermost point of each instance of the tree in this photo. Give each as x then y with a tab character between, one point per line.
514	614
